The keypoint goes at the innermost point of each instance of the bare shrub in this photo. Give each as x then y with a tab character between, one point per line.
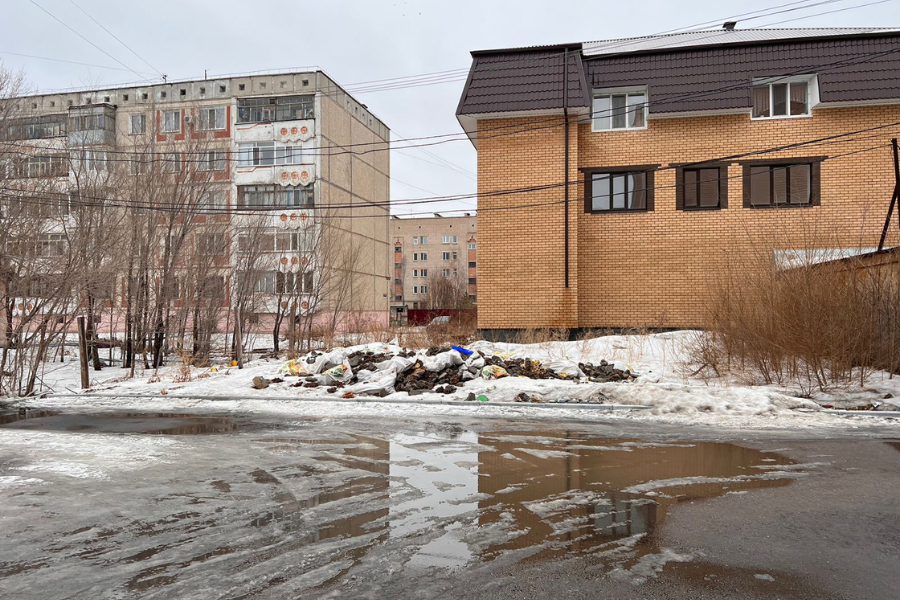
816	322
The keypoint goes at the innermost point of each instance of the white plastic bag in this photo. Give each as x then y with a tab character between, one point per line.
475	362
564	368
441	361
397	364
375	386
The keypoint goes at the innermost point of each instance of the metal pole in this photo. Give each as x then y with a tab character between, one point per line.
894	198
566	203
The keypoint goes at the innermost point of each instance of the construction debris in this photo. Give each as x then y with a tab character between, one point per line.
383	369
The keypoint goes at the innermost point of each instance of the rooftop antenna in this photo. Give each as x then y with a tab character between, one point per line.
729	25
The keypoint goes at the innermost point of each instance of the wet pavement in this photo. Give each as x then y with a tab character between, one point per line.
182	505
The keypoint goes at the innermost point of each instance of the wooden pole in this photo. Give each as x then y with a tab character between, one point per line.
82	354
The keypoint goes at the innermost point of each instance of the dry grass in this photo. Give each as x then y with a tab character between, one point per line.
813	326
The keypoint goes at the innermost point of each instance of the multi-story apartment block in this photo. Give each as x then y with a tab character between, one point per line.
282	157
617	180
432	249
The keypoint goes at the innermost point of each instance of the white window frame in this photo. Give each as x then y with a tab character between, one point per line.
217	123
812	95
445	256
473	246
212	160
142	119
423	239
166	117
609	92
446	239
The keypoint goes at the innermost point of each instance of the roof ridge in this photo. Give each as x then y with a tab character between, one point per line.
695	31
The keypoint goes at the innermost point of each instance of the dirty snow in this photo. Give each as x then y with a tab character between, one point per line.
665	384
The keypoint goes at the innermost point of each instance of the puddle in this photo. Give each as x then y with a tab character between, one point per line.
21	415
316	509
147	423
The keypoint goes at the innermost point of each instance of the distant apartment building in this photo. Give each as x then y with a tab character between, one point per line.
428	249
284	147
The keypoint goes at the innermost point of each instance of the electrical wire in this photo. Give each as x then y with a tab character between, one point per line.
115	37
535	125
170	207
70	28
71	62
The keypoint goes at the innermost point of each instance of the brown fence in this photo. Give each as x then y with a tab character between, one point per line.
424	316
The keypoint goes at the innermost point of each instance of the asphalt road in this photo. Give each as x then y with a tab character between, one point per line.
111	505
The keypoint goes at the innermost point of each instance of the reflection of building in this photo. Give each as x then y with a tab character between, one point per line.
428	248
572	491
445	488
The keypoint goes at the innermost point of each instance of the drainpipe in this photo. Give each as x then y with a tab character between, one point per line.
566	118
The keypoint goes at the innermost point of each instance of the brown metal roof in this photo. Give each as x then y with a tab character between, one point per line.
527	80
718	78
713	77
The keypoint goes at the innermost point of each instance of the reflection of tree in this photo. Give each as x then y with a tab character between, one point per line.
294	520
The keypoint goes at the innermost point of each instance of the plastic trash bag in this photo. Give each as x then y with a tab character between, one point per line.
493	372
476	363
442	361
294	367
341	373
397	364
564	368
376	386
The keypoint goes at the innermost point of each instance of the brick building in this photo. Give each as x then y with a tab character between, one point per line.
275	144
428	248
614	195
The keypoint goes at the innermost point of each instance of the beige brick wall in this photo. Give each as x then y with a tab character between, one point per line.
655	268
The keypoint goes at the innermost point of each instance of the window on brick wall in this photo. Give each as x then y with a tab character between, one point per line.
171	121
702	188
782	184
618	190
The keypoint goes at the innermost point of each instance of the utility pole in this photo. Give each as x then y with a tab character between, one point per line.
894	198
82	354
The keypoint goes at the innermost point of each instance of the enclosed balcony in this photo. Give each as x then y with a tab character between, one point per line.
92	125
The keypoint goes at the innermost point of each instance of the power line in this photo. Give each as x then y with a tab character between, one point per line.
67	26
828	12
511	191
554	121
195	209
62	60
116	38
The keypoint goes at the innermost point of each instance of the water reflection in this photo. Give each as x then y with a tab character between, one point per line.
311	504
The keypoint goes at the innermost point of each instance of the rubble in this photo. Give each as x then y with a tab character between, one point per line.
383	369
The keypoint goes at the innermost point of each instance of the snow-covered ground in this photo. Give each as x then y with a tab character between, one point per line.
666	383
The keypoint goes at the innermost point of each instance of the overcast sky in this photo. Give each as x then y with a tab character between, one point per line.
359	41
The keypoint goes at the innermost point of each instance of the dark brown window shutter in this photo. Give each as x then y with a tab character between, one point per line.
723	186
815	198
746	182
588	193
679	188
651	190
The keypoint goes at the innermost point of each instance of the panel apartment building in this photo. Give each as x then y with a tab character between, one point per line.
618	179
429	249
282	155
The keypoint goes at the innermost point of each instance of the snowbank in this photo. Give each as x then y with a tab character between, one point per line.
664	382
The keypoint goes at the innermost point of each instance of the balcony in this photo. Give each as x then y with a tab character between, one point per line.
92	125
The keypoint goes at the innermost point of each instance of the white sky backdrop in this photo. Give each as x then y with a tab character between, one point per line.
359	41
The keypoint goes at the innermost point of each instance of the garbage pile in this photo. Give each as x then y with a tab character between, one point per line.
383	369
